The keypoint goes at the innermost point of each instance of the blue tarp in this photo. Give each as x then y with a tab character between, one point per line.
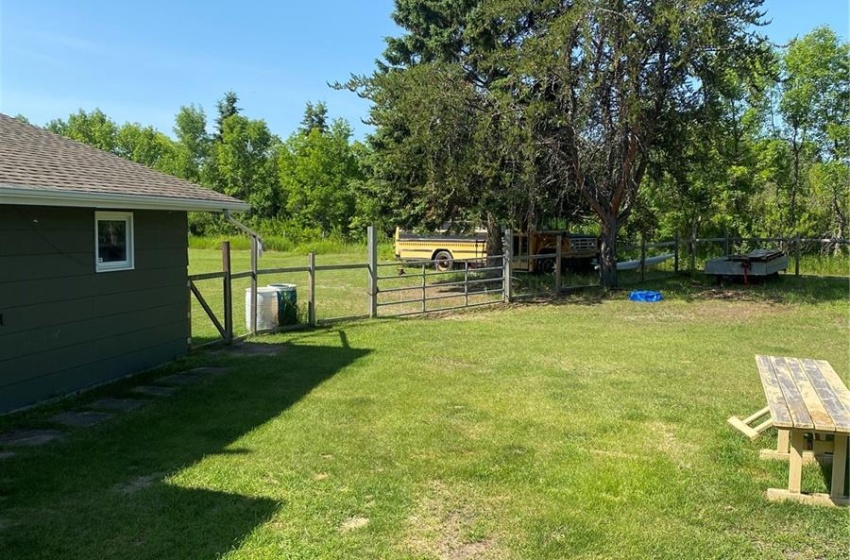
645	296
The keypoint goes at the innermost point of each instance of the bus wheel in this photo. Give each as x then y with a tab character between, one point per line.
546	266
443	261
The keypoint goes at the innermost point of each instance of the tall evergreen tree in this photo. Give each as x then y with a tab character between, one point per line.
226	107
315	118
446	147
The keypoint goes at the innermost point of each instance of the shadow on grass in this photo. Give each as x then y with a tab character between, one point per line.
780	289
106	491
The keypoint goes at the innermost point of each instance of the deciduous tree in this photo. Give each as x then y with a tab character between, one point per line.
319	172
612	77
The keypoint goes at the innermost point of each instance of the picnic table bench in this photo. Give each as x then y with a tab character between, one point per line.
806	396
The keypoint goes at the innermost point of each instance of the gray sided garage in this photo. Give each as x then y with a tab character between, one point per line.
93	264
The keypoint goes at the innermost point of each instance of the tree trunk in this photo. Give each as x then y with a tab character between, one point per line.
495	249
608	253
792	212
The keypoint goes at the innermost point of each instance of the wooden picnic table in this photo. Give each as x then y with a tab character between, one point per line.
806	396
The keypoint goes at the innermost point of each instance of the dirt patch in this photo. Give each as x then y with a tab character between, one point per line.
739	295
445	525
320	476
737	312
615	454
666	441
353	523
713	311
138	483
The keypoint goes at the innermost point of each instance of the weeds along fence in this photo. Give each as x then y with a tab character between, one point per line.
223	304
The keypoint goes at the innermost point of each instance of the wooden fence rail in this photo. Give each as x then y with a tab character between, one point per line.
493	277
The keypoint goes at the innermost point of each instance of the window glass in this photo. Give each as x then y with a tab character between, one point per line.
111	241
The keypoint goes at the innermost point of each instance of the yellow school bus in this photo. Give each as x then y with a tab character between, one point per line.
578	252
441	248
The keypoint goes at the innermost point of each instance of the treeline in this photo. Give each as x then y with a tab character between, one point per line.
765	157
304	187
632	119
636	119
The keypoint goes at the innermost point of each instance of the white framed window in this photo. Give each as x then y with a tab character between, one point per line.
113	241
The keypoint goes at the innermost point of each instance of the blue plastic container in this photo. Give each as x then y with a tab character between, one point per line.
645	296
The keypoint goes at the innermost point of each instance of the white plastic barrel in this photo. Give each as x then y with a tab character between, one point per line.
266	308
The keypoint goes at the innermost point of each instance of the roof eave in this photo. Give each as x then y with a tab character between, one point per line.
10	194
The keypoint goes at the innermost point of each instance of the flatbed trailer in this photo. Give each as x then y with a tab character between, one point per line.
755	264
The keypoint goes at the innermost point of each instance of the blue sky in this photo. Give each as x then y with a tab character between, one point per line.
140	61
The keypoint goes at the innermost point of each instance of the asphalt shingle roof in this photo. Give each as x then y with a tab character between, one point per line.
34	159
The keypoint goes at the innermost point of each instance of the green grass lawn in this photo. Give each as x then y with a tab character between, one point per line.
591	427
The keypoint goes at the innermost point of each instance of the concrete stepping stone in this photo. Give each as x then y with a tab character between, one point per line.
256	349
81	418
207	370
138	483
30	438
154	390
119	405
180	379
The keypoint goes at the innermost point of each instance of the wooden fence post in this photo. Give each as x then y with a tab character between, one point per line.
227	290
506	266
797	256
311	278
693	250
255	247
676	255
559	255
643	258
372	249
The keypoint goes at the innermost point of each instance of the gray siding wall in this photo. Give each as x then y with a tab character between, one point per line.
63	326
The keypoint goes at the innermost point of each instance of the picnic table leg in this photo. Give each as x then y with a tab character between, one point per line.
839	462
795	466
782	441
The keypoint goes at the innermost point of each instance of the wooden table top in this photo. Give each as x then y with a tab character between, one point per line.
805	394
